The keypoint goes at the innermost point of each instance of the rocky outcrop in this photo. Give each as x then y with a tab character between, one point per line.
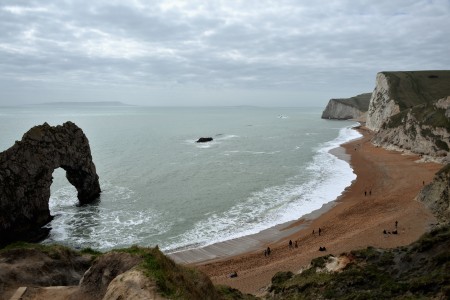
39	265
397	91
405	131
26	175
131	273
95	281
436	195
411	111
381	105
204	140
350	108
133	284
143	273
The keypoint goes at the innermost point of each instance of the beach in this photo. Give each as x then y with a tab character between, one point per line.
383	194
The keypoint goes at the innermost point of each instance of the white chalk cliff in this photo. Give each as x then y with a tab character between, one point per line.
410	111
349	108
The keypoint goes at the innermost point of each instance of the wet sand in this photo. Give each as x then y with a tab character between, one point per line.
390	180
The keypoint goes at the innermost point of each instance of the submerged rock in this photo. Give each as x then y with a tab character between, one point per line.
26	176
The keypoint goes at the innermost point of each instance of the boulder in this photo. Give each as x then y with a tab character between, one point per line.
204	139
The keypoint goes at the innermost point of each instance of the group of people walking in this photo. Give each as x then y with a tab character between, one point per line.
293	245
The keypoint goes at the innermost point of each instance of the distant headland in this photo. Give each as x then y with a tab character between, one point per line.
84	103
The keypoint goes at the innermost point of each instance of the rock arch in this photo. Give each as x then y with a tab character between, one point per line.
26	176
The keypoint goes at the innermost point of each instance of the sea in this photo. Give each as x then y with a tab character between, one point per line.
264	167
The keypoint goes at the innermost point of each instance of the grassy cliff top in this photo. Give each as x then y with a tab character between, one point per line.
413	88
361	101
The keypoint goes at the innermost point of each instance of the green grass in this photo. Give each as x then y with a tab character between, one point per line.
228	293
419	271
409	89
173	281
54	251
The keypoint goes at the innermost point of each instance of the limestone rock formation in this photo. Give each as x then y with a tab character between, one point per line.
350	108
381	106
26	175
436	195
411	111
397	91
133	284
95	281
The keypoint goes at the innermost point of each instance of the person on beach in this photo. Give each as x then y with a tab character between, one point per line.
365	193
396	223
320	230
370	193
313	231
296	245
290	244
265	252
268	251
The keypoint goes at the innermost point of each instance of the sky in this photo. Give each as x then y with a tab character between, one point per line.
213	53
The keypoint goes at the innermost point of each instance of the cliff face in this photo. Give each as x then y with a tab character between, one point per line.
26	175
396	91
410	111
381	105
436	195
350	108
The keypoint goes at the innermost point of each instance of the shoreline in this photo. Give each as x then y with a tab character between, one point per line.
257	241
352	221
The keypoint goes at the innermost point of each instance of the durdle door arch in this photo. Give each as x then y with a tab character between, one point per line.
26	176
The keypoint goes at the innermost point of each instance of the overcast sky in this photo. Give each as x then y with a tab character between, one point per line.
248	52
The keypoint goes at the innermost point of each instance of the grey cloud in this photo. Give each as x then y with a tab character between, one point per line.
322	48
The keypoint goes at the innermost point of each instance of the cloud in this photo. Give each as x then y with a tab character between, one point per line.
318	49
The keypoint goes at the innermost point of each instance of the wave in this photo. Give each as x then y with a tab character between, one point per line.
102	227
322	181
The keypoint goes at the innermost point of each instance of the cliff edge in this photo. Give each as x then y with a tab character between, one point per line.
411	111
26	176
349	108
398	91
436	195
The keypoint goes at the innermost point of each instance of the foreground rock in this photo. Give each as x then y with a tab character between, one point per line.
26	176
132	273
36	265
436	195
350	108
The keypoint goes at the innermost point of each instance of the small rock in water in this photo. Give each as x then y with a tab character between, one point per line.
204	139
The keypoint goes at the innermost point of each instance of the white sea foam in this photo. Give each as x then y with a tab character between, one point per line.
98	226
324	179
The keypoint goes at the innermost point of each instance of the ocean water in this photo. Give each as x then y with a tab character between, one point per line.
266	166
